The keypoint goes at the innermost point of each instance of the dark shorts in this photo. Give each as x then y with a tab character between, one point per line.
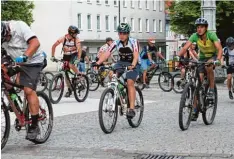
45	64
30	74
230	69
202	68
132	74
71	58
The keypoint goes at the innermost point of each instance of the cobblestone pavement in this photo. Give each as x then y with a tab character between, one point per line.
79	135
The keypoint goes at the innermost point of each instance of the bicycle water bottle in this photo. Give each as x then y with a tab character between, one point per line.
16	99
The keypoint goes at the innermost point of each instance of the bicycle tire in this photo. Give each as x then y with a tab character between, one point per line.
76	85
55	79
100	112
51	118
130	121
173	83
8	125
42	77
49	76
96	81
163	75
184	96
204	117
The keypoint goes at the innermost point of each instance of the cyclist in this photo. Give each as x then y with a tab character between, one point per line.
71	51
22	45
210	51
146	58
190	54
229	58
128	50
84	57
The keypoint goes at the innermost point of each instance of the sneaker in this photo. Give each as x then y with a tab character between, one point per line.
194	116
210	95
32	133
130	113
146	86
68	94
230	95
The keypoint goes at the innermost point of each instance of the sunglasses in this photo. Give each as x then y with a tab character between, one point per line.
123	33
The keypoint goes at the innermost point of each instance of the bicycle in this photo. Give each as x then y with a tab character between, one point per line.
21	108
118	92
195	92
163	77
98	77
79	84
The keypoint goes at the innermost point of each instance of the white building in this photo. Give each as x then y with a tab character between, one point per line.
97	19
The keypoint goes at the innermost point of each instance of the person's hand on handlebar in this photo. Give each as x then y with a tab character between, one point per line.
21	59
131	67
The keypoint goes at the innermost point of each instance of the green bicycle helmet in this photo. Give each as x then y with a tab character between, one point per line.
124	28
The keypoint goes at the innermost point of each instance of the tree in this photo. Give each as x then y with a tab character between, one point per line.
184	13
17	10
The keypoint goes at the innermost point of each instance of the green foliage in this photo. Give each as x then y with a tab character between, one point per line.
184	13
17	10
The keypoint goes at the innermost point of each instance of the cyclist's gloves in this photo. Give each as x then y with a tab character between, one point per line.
52	58
22	58
217	62
176	58
152	62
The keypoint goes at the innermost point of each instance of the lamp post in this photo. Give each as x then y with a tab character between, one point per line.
208	11
119	11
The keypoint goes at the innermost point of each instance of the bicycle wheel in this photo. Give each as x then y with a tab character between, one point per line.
81	88
56	88
165	81
5	124
93	81
42	82
45	121
49	76
178	85
139	109
105	108
186	107
207	117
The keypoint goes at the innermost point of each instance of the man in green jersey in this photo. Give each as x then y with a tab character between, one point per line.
210	51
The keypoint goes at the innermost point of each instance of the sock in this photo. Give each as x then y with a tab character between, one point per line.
211	89
35	119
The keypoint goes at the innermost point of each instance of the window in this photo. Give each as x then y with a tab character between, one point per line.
106	1
146	4
132	24
132	3
107	23
160	26
80	1
139	4
98	1
147	25
115	23
139	25
89	22
98	22
124	19
160	5
79	20
88	1
115	3
124	3
154	5
154	25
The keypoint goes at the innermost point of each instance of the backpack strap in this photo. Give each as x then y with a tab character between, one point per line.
65	39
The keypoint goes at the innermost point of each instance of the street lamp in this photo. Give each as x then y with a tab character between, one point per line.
119	12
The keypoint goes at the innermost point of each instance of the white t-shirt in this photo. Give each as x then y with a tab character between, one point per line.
230	55
17	46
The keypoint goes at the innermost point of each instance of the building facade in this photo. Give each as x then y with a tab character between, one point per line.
97	19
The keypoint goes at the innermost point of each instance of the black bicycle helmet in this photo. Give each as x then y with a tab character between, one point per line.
201	21
73	30
230	41
108	39
124	28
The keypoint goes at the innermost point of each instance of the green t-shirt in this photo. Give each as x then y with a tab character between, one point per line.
207	49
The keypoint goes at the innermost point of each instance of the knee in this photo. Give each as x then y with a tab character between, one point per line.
229	77
28	91
130	83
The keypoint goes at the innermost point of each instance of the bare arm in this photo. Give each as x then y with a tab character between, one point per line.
54	46
183	50
79	50
219	48
192	55
33	45
160	55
